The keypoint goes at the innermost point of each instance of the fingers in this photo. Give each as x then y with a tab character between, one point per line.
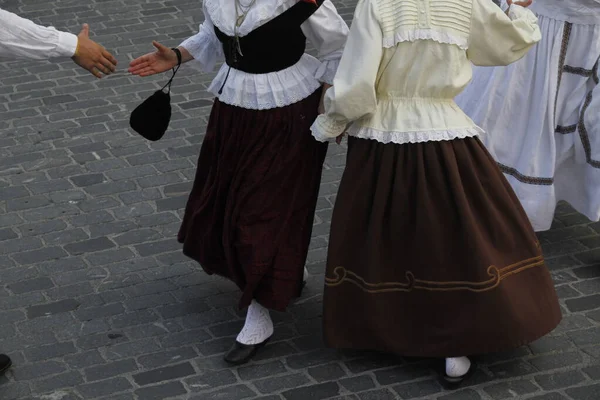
85	31
95	72
110	58
139	61
138	67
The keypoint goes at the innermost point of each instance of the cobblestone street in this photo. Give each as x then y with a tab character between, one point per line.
96	299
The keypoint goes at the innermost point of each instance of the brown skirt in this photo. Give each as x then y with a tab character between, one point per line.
250	214
431	255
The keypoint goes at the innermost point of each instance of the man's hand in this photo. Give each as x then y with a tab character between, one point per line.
93	57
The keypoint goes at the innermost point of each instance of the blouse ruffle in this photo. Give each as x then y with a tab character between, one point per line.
272	90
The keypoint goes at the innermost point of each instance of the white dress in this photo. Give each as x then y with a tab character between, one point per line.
542	114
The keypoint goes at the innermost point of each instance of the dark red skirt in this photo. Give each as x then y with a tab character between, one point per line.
431	255
250	214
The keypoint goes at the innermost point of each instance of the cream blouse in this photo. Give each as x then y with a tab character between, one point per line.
405	61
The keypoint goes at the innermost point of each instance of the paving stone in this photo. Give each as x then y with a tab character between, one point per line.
512	369
164	391
316	392
400	374
47	352
379	394
52	308
277	384
164	374
31	285
589	392
257	371
329	372
559	380
357	383
555	361
110	370
584	303
64	380
510	389
237	392
105	388
89	246
549	396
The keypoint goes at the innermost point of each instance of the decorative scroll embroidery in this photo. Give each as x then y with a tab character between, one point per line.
342	275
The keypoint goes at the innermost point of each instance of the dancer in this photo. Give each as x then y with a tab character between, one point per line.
543	113
430	253
250	214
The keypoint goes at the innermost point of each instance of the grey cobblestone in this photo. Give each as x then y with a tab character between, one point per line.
97	301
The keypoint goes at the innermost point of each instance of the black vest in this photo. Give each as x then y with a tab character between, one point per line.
274	46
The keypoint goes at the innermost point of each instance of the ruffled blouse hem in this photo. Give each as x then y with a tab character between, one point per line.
414	137
267	91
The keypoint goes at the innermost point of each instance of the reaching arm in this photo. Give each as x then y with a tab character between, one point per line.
353	94
22	38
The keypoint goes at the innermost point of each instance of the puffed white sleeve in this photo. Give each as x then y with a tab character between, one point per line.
327	31
353	94
22	38
204	46
500	39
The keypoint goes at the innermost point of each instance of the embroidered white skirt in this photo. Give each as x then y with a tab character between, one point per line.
542	120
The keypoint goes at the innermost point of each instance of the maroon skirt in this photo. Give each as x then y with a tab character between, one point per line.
250	214
431	255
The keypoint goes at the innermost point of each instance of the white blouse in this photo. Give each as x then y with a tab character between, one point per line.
21	38
325	29
406	61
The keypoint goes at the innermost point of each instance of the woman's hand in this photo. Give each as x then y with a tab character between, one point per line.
162	60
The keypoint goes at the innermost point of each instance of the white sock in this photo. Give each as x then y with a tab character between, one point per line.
457	366
258	326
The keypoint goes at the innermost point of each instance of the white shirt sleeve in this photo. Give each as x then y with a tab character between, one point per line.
327	31
353	94
498	39
204	46
22	38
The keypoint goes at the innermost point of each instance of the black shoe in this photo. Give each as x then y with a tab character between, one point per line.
452	383
242	353
5	363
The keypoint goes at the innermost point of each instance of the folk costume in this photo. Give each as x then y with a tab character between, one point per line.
250	214
543	113
430	253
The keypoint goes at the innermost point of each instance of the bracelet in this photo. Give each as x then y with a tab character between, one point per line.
178	53
76	49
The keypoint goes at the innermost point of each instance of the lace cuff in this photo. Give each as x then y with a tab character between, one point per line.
205	48
326	71
325	128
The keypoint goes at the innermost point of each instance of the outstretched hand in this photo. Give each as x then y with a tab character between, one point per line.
162	60
93	57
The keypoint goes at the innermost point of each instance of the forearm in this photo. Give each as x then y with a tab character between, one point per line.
21	38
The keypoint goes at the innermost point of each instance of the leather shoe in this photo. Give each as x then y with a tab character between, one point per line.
242	353
5	363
